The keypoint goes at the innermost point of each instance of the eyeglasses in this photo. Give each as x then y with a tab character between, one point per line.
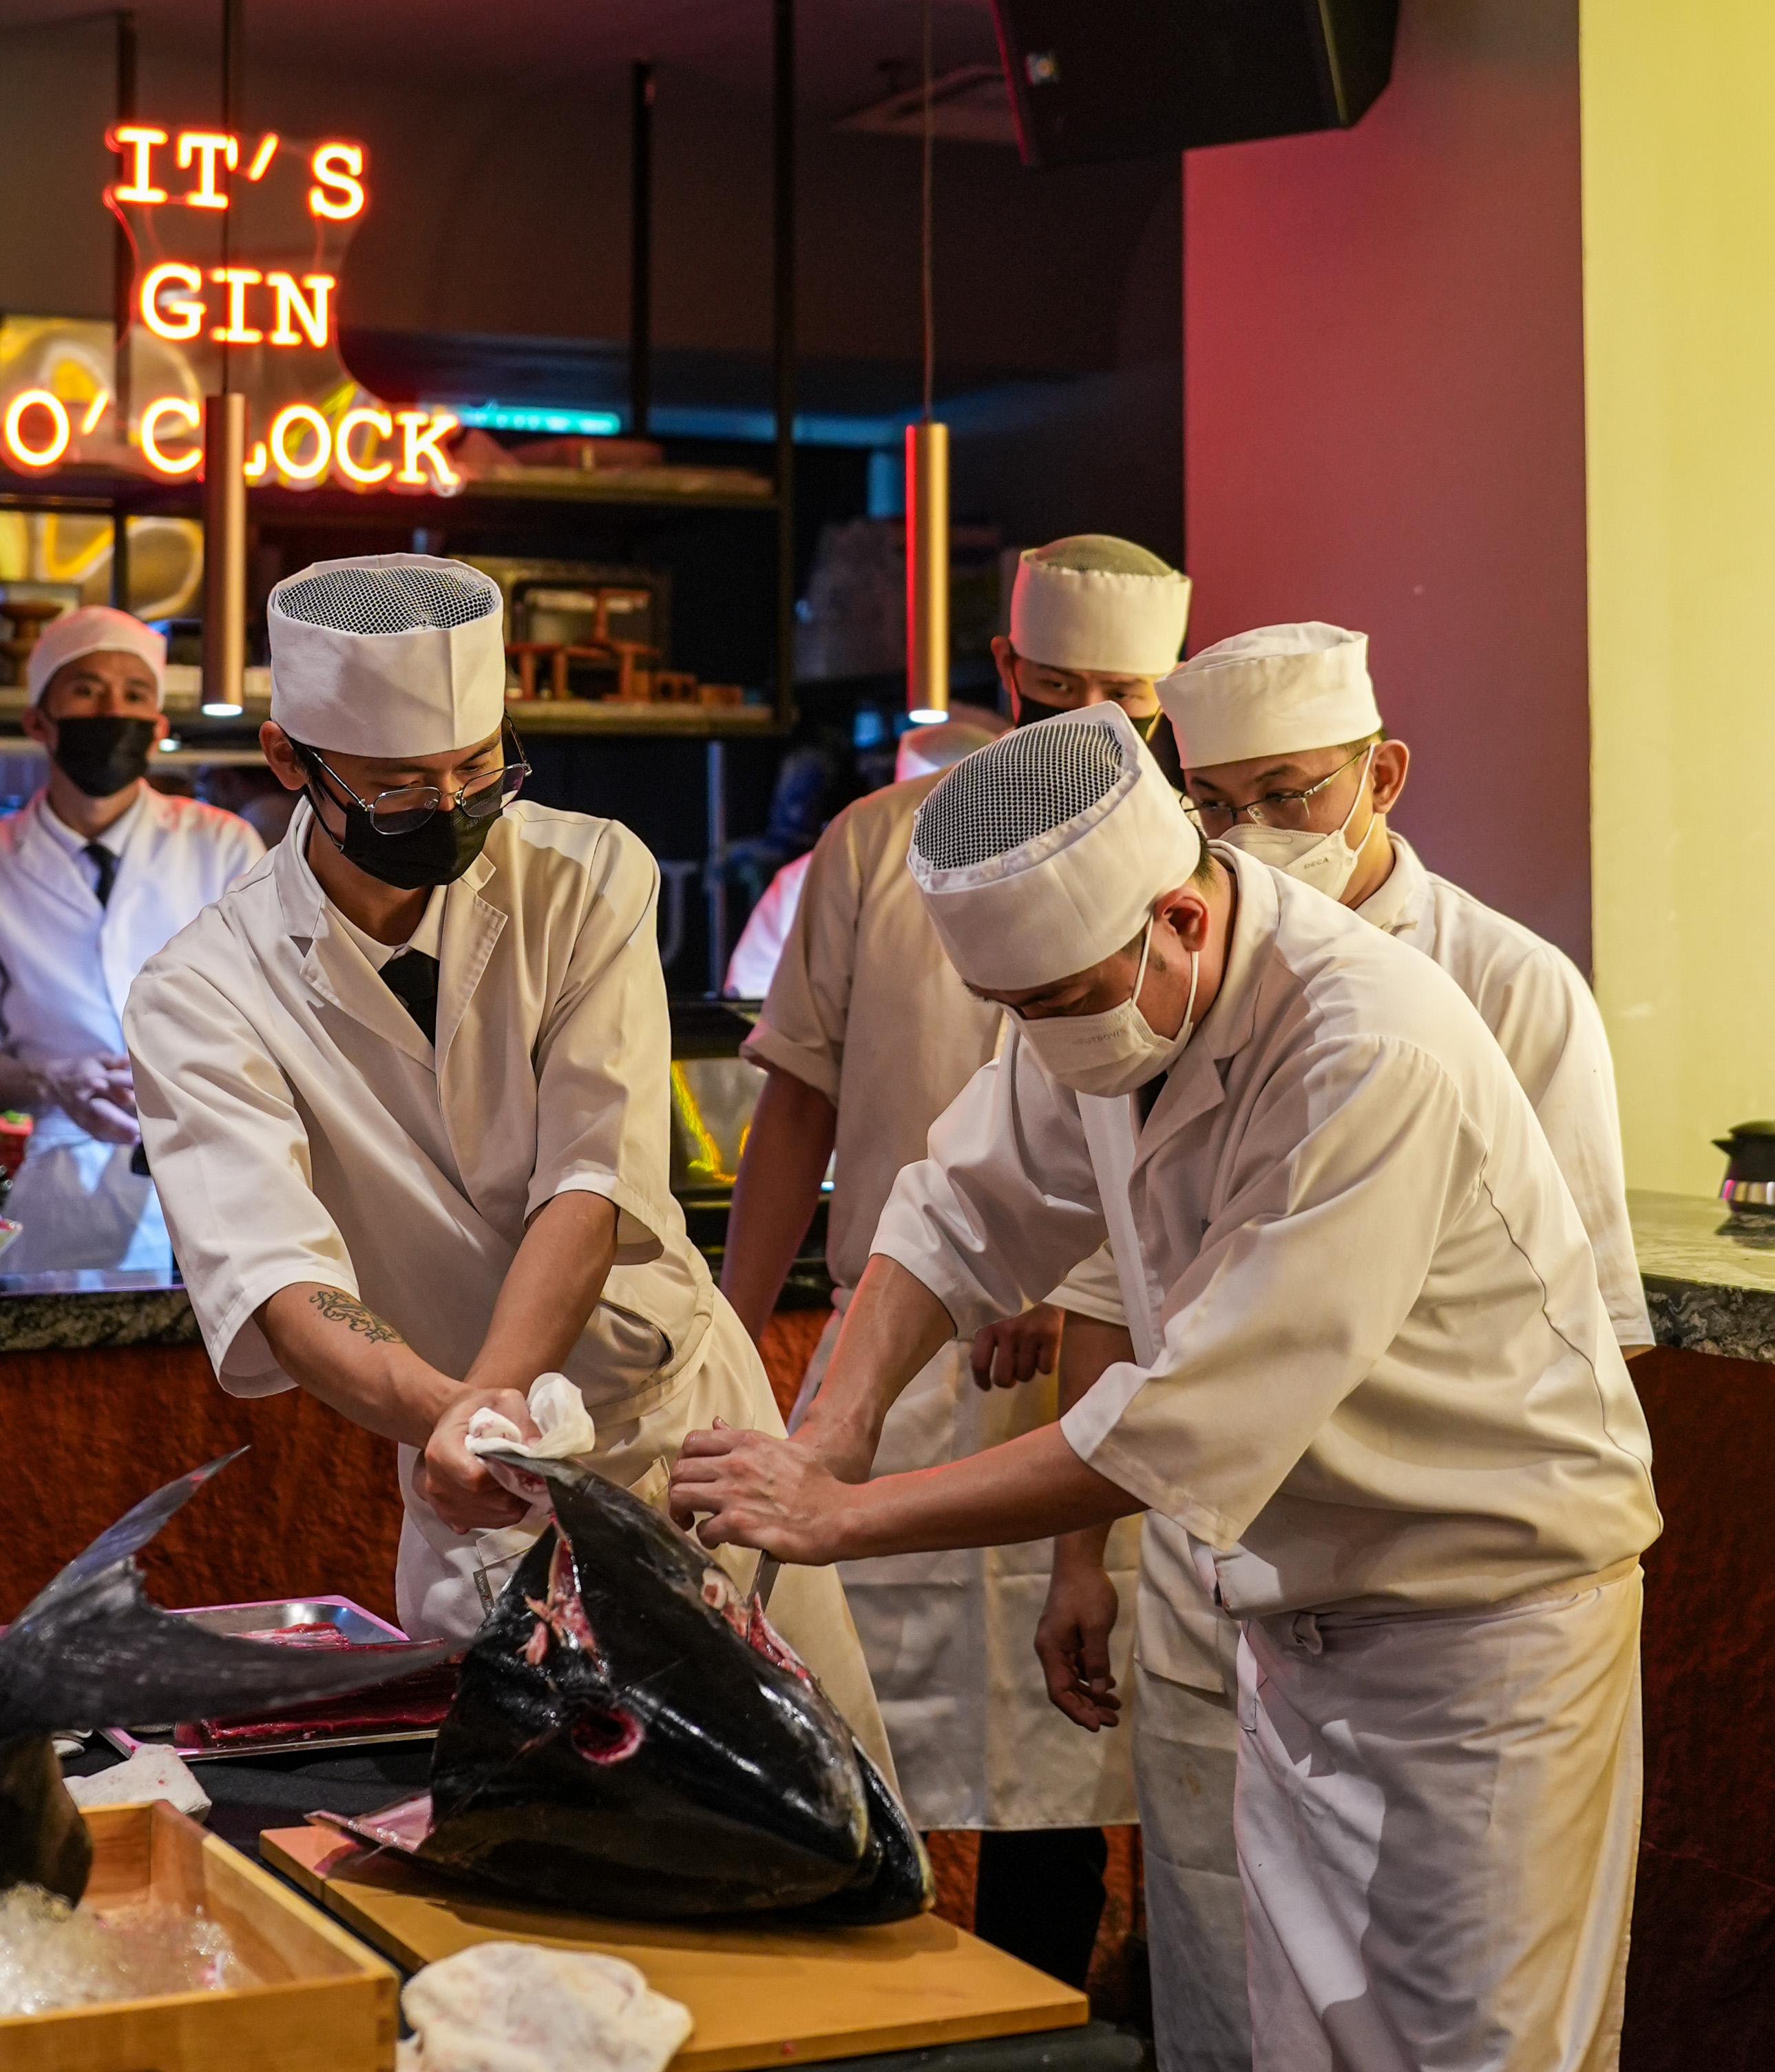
1275	809
404	811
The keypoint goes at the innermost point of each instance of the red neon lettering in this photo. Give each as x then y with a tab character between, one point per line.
206	146
315	316
12	431
300	417
338	192
236	330
420	433
181	317
255	468
167	407
139	142
263	157
349	465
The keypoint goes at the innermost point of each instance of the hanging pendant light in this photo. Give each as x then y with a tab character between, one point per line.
224	470
927	485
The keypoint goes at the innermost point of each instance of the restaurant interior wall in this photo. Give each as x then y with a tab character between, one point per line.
1384	427
1679	331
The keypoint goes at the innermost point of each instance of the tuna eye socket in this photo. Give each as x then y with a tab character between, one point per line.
603	1737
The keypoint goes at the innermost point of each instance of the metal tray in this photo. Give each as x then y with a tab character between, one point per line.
360	1627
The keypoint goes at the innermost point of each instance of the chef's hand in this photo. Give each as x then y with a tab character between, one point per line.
753	1491
456	1485
1072	1639
95	1092
1018	1348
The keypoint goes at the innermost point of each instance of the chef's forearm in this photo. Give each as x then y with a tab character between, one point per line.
1087	1346
549	1292
776	1190
354	1361
1028	1488
894	1326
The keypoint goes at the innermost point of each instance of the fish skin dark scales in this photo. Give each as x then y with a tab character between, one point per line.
668	1769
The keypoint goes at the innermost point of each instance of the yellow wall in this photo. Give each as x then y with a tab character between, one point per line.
1679	358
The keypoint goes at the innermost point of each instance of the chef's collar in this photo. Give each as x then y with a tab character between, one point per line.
1227	1026
306	906
113	837
1393	901
427	936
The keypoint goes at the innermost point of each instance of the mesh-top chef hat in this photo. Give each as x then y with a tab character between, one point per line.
388	655
1042	855
1094	602
1278	690
95	629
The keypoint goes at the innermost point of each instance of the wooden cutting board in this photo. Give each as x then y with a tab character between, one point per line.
762	1993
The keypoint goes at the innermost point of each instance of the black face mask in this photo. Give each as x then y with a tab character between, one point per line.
436	853
100	755
1153	729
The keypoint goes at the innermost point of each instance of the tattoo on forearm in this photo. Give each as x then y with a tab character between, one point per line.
337	1307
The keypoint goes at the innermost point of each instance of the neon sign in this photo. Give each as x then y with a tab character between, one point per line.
239	242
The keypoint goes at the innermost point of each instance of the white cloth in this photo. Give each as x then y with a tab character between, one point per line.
1185	1752
66	967
1385	1378
412	686
520	2006
153	1772
866	1009
1116	624
950	1637
301	1129
1438	1823
1534	1000
1054	890
1280	690
753	963
91	629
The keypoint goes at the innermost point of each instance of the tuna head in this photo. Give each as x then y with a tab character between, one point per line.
630	1736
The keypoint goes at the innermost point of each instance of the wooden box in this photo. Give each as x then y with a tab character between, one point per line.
319	2002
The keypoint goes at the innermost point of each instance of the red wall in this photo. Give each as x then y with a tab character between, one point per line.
1384	428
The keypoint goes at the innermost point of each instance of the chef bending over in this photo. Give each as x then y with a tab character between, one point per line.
1376	1404
405	1094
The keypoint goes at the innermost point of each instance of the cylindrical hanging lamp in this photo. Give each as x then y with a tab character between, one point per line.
927	572
224	551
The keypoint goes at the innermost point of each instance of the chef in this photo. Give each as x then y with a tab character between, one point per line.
866	1037
405	1093
1285	758
1376	1402
96	871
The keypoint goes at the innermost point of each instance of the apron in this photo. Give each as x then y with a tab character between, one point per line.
950	1637
79	1206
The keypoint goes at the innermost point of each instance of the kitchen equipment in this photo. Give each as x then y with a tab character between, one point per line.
1749	1185
763	1993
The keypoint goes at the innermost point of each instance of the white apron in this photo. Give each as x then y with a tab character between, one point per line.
1438	1822
950	1637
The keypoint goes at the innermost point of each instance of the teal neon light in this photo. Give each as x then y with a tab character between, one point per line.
522	418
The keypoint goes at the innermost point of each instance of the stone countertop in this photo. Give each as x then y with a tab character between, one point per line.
1710	1281
1709	1275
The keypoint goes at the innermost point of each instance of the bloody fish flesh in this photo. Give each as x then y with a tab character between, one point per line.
631	1737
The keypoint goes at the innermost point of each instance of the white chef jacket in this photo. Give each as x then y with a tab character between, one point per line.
866	1007
1534	1000
753	963
1384	1377
66	964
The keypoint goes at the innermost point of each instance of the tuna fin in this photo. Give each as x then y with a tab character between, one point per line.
90	1651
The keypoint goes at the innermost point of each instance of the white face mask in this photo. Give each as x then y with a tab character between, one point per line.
1326	862
1115	1052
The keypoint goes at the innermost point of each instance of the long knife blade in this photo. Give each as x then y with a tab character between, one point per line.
765	1582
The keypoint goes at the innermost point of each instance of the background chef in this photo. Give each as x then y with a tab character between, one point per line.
95	872
1285	758
1377	1400
405	1091
866	1037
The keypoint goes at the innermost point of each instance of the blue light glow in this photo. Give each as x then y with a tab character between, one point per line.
526	417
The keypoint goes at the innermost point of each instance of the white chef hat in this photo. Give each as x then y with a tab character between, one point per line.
388	655
94	629
1042	855
924	750
1278	690
1094	602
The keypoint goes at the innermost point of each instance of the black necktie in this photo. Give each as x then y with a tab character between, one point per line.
412	977
106	862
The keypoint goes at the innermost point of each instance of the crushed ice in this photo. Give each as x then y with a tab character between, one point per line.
53	1956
